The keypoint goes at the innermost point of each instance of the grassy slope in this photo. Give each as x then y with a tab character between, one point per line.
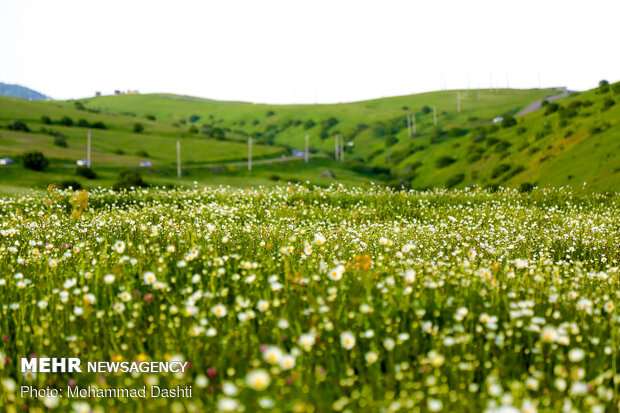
553	150
242	115
559	158
158	140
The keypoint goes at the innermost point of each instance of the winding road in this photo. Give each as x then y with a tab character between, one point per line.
537	105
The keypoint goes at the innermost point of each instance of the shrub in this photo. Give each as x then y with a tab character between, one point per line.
119	151
515	171
329	123
193	129
426	110
66	121
70	184
444	161
18	125
603	86
270	113
521	130
142	153
129	179
456	132
508	121
502	146
46	120
82	123
35	160
455	180
526	187
390	141
194	118
499	169
59	140
150	117
79	105
138	128
551	108
609	102
616	89
98	125
309	124
86	172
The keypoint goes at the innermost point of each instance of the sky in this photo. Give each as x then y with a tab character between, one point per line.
305	51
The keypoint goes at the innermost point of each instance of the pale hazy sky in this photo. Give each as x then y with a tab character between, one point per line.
305	51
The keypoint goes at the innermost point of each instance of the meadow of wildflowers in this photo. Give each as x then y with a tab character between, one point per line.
305	299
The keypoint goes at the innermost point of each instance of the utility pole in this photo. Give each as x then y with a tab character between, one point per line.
307	153
88	150
408	125
458	101
336	147
435	115
179	159
413	119
250	153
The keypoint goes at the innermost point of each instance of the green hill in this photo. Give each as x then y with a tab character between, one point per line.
571	141
566	146
364	123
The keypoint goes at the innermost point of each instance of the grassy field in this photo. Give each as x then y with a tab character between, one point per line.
297	298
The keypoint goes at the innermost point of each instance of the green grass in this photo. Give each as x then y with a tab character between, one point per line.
553	158
240	116
568	150
346	299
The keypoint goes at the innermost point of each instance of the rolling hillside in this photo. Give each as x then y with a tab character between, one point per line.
366	124
567	142
571	141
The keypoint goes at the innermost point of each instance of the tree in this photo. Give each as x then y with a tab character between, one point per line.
70	183
426	110
46	120
603	86
18	125
309	124
138	128
66	121
35	160
444	161
129	179
508	121
86	172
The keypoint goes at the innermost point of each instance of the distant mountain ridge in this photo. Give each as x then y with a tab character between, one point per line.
21	92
